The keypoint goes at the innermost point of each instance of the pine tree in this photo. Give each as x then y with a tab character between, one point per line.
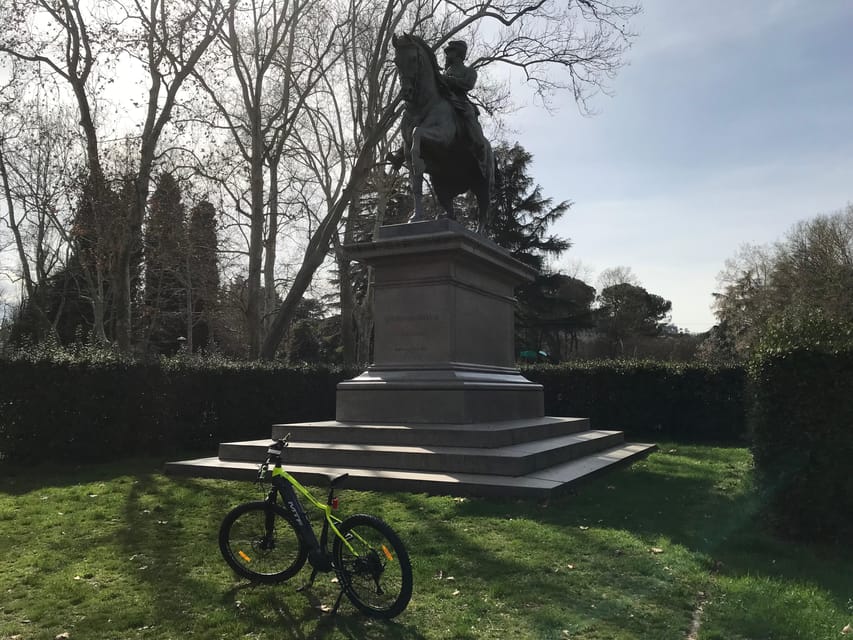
201	275
165	299
521	216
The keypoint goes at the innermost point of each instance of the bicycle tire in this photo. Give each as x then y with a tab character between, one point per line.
248	550
379	580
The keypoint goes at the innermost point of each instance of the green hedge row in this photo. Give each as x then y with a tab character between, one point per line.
684	402
94	411
91	408
801	420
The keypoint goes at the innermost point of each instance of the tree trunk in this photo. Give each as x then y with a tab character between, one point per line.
256	241
270	246
347	320
315	254
188	289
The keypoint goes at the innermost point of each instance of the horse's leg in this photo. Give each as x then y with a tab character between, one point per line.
445	199
484	193
438	130
417	166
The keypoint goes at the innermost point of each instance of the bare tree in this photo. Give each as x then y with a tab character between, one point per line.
72	38
278	54
617	275
38	156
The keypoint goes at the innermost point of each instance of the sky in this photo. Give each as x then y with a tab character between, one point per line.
732	121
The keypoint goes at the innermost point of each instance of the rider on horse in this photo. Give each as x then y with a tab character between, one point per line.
460	79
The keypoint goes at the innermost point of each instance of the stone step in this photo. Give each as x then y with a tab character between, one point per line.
538	484
511	460
484	434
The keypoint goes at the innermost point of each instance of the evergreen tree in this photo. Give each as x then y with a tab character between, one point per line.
553	308
627	309
521	216
78	298
202	274
165	299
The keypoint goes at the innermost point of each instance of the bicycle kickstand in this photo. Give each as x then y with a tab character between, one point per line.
337	603
310	582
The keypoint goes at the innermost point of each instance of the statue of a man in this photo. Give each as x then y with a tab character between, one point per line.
460	79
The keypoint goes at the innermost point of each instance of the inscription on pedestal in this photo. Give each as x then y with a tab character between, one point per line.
409	334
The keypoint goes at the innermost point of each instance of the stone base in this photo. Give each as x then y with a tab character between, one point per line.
453	395
521	458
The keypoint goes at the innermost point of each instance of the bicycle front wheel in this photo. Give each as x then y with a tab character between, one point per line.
376	573
259	541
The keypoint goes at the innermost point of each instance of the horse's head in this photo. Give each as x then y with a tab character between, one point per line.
417	66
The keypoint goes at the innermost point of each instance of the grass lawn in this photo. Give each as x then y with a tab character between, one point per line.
121	551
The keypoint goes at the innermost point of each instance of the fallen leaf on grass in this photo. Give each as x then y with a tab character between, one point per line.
457	592
450	578
656	550
570	566
324	608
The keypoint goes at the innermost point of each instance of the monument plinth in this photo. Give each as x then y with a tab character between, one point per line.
443	408
444	330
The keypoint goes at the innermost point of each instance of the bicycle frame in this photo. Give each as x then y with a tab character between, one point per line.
286	485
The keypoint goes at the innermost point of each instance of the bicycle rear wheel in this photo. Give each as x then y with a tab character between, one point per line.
259	541
377	578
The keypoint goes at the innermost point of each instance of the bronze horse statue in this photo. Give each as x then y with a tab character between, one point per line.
434	136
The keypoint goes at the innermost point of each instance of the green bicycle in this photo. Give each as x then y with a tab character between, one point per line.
268	542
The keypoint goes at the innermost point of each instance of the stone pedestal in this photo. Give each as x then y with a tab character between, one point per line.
444	332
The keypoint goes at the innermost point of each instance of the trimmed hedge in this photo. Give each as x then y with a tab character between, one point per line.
801	420
96	407
684	402
100	410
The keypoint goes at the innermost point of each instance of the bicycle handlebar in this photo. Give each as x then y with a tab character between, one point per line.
273	455
278	446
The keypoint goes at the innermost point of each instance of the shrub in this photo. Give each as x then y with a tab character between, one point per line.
801	421
98	407
93	405
645	398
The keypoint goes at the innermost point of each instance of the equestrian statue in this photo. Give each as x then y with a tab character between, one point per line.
440	127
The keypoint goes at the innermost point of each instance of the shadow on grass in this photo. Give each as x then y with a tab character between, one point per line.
19	480
701	499
528	574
